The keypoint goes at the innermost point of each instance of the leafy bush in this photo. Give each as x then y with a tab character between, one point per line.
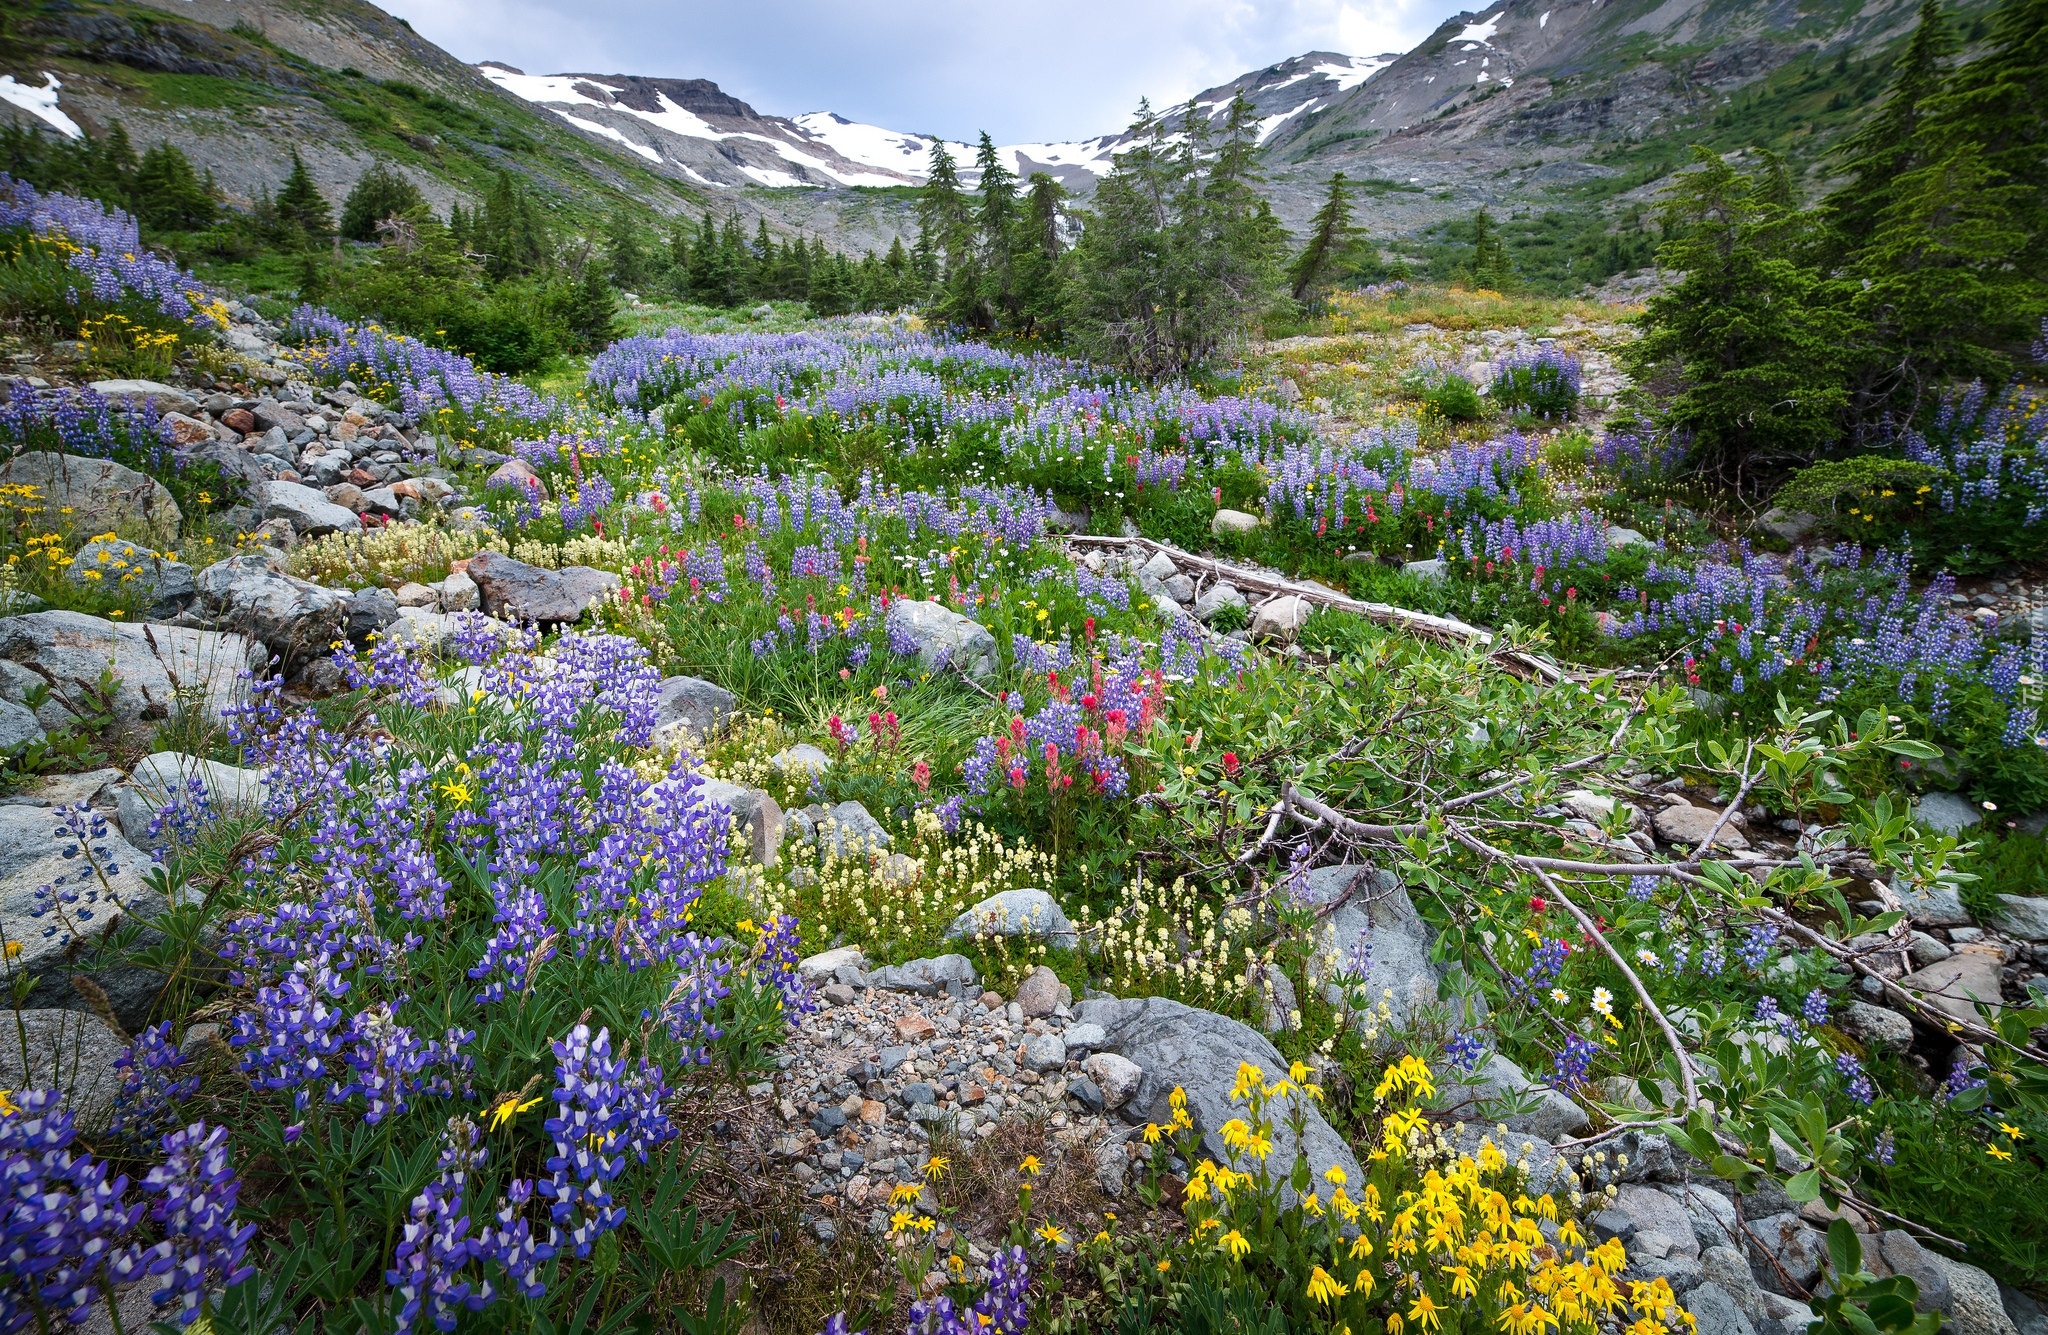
1447	392
1545	382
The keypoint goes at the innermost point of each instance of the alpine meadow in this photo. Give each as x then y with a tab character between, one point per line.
1406	697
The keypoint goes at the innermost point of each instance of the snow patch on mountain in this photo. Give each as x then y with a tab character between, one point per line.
40	103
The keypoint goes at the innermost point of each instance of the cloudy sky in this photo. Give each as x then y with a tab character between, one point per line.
1039	71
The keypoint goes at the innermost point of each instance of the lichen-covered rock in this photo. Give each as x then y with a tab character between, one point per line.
157	670
943	638
1030	914
518	592
309	512
89	496
296	619
160	586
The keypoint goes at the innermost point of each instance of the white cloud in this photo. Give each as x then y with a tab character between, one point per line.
1058	70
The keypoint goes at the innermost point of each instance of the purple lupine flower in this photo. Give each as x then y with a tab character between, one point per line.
775	966
202	1249
1574	1061
1464	1051
1814	1008
293	1034
64	1221
1859	1086
597	1115
151	1086
435	1245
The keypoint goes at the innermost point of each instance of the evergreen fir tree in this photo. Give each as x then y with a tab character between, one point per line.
1889	143
1038	256
511	237
675	264
1490	266
1329	232
169	196
109	171
627	261
834	289
1760	343
996	302
946	236
379	193
301	206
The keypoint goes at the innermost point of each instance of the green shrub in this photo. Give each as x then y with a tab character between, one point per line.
1448	393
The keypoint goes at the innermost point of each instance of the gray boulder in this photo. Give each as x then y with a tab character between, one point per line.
2023	916
137	393
1970	974
296	619
927	977
944	638
517	592
1619	537
1939	906
693	709
237	465
98	493
165	777
1436	568
847	829
369	612
1032	914
1377	924
804	757
1976	1308
1199	1052
309	512
1946	813
1280	619
1216	598
158	670
83	895
1715	1311
1728	1269
1232	521
160	586
1044	1052
1546	1168
18	727
72	1051
753	809
1501	1083
1116	1076
433	632
1786	1245
1876	1027
1787	525
1662	1225
1898	1252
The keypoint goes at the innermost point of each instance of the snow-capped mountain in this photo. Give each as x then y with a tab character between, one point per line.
692	129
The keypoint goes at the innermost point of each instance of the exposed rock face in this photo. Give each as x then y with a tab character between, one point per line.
927	977
1375	926
517	592
692	708
160	586
157	669
752	808
1552	1116
944	638
1686	825
1199	1051
68	1050
1030	914
296	619
1232	521
99	883
309	512
1970	974
99	493
136	393
1281	619
166	777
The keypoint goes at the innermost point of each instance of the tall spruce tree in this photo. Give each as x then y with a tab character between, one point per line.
1039	256
1490	266
168	194
301	206
1759	342
995	220
379	193
510	234
945	236
1889	143
1329	232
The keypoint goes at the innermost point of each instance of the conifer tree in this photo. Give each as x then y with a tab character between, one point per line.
110	168
300	204
627	261
1760	342
1490	266
1889	143
997	297
1038	256
379	193
946	235
1329	232
169	196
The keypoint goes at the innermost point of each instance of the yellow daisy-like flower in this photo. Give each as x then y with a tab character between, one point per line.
900	1221
1323	1287
1052	1234
2012	1131
904	1192
1998	1152
936	1165
1030	1166
508	1108
1424	1311
1234	1242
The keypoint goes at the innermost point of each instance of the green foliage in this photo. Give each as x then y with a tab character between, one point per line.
1490	267
1756	341
379	193
1869	484
1447	393
1330	232
1857	1302
301	207
1179	255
